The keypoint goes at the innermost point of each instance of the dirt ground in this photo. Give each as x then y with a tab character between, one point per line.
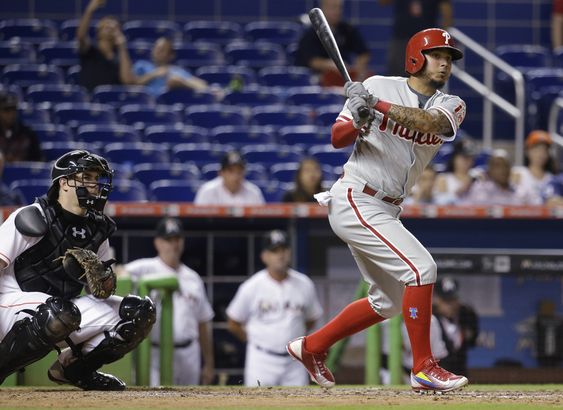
280	398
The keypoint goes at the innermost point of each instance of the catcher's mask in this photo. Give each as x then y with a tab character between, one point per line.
78	162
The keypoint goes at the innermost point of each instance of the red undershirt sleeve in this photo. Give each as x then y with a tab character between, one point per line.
343	134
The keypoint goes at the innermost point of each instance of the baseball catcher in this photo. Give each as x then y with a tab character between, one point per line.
52	250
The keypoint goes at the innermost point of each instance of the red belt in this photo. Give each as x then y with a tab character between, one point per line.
372	192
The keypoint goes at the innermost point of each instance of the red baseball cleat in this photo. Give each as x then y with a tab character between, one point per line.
313	362
432	378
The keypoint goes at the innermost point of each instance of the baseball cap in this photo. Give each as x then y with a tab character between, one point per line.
446	288
538	137
275	239
465	147
232	158
169	228
8	100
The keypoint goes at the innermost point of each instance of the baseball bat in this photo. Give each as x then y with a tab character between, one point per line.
324	33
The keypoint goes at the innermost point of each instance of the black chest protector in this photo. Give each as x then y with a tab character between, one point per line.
38	269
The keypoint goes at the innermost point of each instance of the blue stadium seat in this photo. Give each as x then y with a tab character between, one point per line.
525	55
52	133
140	50
16	52
226	75
303	135
136	153
327	155
252	97
63	54
25	170
56	93
199	54
151	30
272	190
106	133
118	95
219	32
140	115
558	57
30	114
326	115
257	55
149	173
279	115
31	30
542	100
53	150
241	135
284	172
286	77
126	190
279	32
31	188
544	77
314	97
270	154
482	158
173	191
442	157
67	29
72	74
210	116
203	153
185	97
175	134
75	114
25	75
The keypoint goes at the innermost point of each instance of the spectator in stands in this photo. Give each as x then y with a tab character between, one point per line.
230	187
458	178
308	182
410	17
8	197
557	24
311	53
107	61
539	166
495	188
192	312
553	192
424	193
160	75
17	141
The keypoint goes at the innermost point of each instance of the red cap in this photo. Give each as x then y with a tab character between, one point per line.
538	137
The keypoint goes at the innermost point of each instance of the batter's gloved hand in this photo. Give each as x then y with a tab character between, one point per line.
354	105
84	264
357	89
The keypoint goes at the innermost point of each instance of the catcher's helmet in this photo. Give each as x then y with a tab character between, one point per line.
427	40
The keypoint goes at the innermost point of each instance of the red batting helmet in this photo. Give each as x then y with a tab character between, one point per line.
427	40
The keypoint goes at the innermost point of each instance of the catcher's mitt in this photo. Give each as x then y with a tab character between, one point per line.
83	263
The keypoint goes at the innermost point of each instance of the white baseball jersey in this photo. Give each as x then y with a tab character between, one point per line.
273	313
214	193
191	307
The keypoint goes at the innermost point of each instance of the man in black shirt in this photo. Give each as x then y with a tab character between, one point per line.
107	61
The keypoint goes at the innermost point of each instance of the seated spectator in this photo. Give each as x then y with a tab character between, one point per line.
17	141
553	192
7	196
495	188
424	193
230	187
107	61
538	167
308	182
311	53
458	178
160	75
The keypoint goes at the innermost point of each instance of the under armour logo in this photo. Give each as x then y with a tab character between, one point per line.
413	313
447	37
89	202
76	233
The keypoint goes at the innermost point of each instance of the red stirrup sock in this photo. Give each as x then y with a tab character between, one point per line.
417	311
357	316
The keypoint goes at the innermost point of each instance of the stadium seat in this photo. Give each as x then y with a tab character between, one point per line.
199	54
279	116
270	154
136	153
210	116
140	115
303	135
75	114
67	29
72	74
442	157
286	77
558	57
107	133
25	75
525	55
185	97
151	30
62	54
175	134
219	32
327	155
149	173
272	191
482	158
279	32
53	150
227	76
314	97
542	100
52	133
126	190
252	97
173	191
16	52
25	170
544	77
31	188
140	50
284	172
30	114
56	93
326	115
118	95
257	55
200	154
241	135
31	30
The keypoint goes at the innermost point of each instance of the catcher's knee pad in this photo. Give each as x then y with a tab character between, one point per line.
33	337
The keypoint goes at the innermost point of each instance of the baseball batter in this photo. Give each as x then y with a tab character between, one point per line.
192	312
40	304
409	120
274	305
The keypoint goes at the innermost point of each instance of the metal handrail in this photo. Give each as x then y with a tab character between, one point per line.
556	106
485	89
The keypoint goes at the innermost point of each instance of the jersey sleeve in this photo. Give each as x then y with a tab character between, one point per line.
239	308
12	242
314	310
204	310
104	251
454	109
